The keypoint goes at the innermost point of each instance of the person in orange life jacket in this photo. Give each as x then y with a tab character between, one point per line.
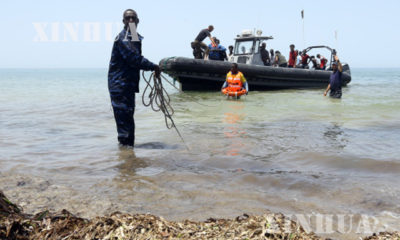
236	79
335	80
305	59
323	61
292	57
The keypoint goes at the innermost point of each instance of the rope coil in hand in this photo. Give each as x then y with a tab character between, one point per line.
159	100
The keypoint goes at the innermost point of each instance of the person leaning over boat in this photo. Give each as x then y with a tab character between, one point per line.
265	55
234	78
292	57
314	62
280	60
198	42
217	52
335	80
123	76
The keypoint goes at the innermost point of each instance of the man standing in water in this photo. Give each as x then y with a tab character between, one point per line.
123	76
335	81
235	79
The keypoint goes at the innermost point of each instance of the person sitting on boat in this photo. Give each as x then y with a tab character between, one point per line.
243	50
280	60
323	61
230	48
305	59
335	80
292	57
298	62
235	82
217	52
198	42
272	57
314	62
265	55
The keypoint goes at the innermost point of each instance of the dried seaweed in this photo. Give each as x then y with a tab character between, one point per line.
64	225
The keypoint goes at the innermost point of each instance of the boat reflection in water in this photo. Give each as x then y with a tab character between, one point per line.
233	132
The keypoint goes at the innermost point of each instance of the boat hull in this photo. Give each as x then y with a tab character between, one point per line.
200	75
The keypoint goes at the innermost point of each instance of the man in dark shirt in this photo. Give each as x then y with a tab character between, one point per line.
265	55
335	81
198	42
123	76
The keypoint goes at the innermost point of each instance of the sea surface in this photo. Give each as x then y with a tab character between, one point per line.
289	151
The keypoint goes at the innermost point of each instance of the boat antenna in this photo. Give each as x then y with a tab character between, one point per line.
302	18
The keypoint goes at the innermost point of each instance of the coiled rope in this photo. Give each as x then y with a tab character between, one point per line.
159	100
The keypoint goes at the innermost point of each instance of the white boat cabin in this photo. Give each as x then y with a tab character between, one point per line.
247	47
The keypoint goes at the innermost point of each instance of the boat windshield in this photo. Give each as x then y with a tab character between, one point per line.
244	47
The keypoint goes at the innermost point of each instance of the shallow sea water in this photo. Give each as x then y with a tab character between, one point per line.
290	151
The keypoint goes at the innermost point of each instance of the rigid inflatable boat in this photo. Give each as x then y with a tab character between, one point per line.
199	74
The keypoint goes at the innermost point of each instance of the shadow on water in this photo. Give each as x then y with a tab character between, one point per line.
335	136
156	145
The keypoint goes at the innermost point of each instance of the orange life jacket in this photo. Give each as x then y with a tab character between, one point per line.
234	81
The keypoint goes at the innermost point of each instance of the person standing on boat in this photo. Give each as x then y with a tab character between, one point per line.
230	54
292	57
323	61
265	55
198	42
272	57
335	80
280	60
305	59
123	76
235	79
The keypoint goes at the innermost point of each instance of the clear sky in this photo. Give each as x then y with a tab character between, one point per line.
367	31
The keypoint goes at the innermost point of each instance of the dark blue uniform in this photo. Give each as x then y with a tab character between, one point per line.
123	82
217	53
335	81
